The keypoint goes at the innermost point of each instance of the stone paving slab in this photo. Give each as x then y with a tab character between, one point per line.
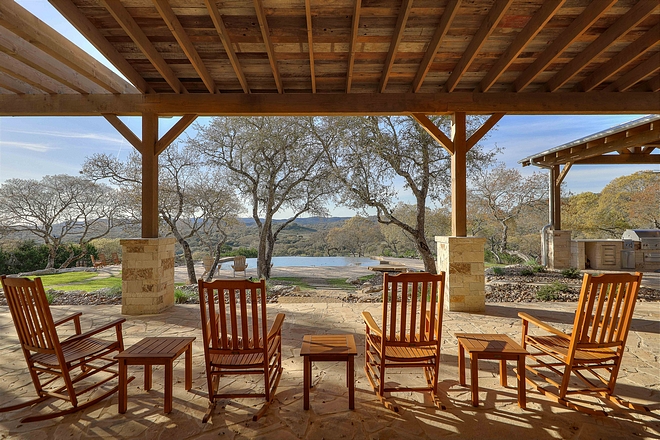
498	416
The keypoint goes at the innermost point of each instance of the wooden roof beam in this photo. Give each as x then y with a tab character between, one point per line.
445	22
220	28
174	25
527	34
617	159
126	132
485	30
653	84
29	55
629	54
579	26
564	172
485	128
34	78
310	43
174	132
635	75
632	18
352	44
133	30
265	33
94	36
39	34
401	20
16	86
435	132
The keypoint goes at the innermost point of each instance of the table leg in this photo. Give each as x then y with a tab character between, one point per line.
168	387
522	397
503	372
123	387
147	377
351	383
189	367
461	364
474	378
307	382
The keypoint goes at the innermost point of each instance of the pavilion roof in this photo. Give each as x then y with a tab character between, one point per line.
335	56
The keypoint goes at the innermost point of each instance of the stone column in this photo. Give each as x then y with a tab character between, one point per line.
147	275
559	249
462	260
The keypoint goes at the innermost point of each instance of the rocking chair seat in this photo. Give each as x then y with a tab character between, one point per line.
402	353
76	350
227	359
559	348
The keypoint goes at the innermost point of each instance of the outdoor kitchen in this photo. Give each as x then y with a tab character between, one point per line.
638	249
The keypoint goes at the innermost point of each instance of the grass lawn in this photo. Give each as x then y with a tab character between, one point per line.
294	281
340	283
86	281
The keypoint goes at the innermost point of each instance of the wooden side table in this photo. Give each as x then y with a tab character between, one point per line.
496	347
154	351
331	348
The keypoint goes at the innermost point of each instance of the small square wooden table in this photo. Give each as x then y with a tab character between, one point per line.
496	347
330	348
154	351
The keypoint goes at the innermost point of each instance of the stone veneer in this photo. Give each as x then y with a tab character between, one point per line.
147	275
462	260
559	249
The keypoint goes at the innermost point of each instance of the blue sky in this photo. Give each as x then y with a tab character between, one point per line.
31	148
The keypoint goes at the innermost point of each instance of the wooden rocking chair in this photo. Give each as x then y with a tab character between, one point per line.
56	367
593	351
411	332
240	265
236	340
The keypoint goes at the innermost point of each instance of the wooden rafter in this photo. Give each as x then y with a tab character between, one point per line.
487	27
633	51
174	132
622	26
445	22
434	131
564	172
404	12
265	33
635	75
531	29
485	128
653	84
29	55
580	25
618	159
85	27
21	72
351	48
127	22
126	132
14	85
310	43
39	34
174	25
220	28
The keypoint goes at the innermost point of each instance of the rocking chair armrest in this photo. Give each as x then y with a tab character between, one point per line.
369	320
547	327
75	316
276	327
116	324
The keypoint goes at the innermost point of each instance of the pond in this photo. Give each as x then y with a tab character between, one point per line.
317	261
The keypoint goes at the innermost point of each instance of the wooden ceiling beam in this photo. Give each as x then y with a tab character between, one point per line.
174	25
579	26
265	33
39	34
564	172
16	86
352	44
629	54
310	43
531	29
487	27
632	18
617	159
445	22
653	84
220	28
635	75
94	36
306	104
174	133
126	132
36	79
400	26
485	128
19	49
434	131
133	30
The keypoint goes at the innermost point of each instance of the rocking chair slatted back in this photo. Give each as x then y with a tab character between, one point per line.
605	310
408	300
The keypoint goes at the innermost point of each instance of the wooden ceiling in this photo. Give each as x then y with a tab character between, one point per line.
336	56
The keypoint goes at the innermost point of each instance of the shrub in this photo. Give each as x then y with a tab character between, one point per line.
571	272
50	297
527	272
550	292
181	296
499	270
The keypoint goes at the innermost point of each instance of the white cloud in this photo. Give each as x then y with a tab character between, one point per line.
40	148
72	135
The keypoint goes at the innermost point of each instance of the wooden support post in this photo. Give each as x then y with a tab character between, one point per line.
149	176
555	198
459	176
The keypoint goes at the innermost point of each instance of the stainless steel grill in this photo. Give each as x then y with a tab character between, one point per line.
647	240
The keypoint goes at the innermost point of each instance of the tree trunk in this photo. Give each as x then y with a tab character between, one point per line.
263	249
504	240
52	252
187	255
425	252
218	248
